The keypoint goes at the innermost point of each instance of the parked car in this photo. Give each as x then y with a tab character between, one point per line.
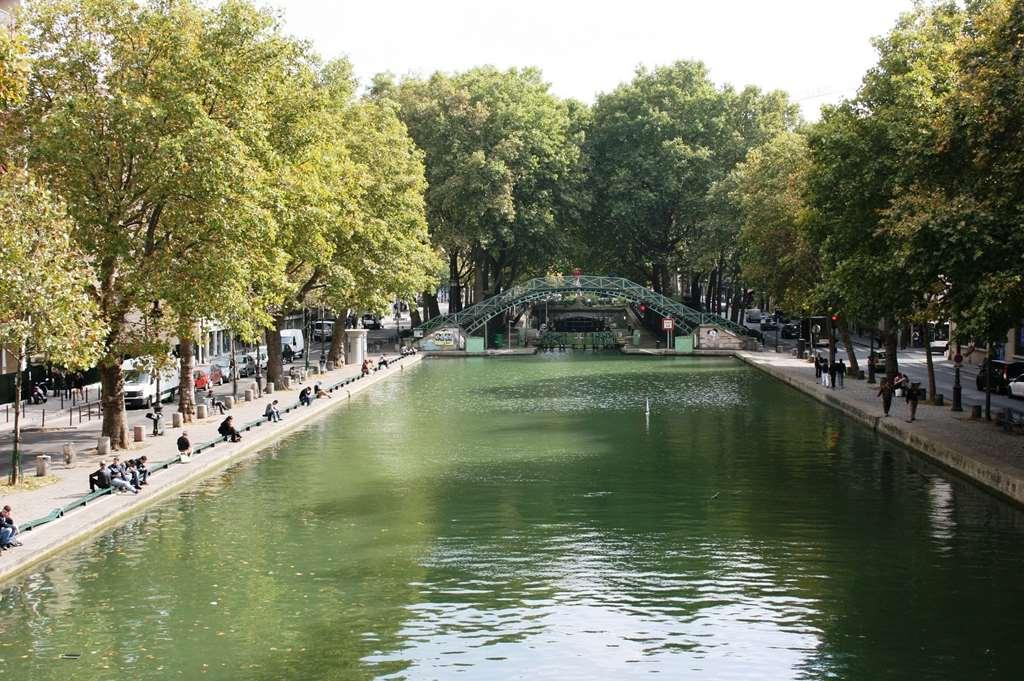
753	316
790	331
1000	374
1017	387
201	379
371	321
140	385
769	324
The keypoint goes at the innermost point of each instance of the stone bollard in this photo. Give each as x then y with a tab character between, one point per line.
103	446
229	402
286	381
139	432
330	365
201	410
269	390
42	465
69	454
176	419
248	395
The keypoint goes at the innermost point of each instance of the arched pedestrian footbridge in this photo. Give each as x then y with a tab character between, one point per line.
473	318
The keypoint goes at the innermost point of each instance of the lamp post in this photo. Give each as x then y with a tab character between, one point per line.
957	390
323	332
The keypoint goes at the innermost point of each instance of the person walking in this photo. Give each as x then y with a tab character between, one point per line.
885	392
913	395
841	373
817	368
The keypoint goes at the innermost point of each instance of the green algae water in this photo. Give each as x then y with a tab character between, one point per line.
509	519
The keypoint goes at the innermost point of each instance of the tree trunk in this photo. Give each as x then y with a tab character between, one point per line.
844	330
931	370
454	287
16	448
275	365
115	420
337	352
186	380
479	275
430	307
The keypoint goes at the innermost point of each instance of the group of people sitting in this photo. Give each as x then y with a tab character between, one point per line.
8	530
129	476
307	395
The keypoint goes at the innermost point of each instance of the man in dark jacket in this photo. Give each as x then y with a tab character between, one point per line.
228	431
100	478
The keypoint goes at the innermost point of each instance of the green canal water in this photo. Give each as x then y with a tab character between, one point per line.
508	519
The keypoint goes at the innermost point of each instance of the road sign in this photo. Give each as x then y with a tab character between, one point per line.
667	324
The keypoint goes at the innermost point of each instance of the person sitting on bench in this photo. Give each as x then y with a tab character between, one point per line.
228	431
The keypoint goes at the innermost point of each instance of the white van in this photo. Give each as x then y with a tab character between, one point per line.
293	338
323	330
140	384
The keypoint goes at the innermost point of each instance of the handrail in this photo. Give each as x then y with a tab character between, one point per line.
58	513
475	316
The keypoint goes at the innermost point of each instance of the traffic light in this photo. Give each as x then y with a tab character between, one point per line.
643	308
835	318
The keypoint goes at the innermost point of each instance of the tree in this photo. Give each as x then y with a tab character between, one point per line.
44	304
147	116
13	68
657	147
499	149
769	190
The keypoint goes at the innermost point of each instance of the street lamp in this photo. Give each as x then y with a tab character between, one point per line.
871	358
307	322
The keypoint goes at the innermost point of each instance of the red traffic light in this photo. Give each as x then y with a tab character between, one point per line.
835	318
643	308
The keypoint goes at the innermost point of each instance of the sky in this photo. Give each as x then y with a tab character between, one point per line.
817	50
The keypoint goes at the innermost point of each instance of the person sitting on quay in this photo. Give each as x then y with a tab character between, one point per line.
305	397
366	367
132	474
8	529
184	448
320	392
100	478
119	478
142	470
214	402
382	363
272	413
228	431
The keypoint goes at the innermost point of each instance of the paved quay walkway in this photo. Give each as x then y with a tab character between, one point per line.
976	449
72	482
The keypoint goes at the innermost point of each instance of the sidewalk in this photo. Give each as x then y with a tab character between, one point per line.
976	449
73	483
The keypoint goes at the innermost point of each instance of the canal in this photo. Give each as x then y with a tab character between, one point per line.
504	519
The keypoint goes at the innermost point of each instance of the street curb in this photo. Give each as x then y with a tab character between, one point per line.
1007	484
89	520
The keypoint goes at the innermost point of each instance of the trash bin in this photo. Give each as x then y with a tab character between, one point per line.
801	347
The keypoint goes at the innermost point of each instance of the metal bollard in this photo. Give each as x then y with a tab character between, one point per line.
139	433
176	419
248	395
42	465
69	454
103	446
201	410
